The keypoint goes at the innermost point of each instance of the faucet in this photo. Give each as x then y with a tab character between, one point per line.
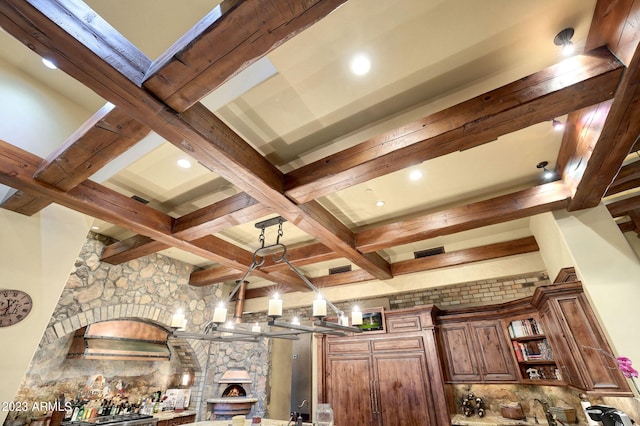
551	421
294	416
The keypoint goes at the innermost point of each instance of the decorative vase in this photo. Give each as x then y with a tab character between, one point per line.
324	415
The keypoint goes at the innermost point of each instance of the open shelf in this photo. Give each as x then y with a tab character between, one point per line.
532	351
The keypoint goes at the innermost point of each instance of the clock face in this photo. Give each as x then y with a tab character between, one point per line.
15	305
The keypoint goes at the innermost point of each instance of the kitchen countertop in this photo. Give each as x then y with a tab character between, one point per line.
168	415
492	420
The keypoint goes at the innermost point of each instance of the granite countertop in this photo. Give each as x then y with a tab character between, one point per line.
168	415
492	420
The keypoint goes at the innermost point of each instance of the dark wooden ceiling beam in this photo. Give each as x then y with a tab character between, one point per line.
581	134
196	131
107	134
461	257
544	198
235	210
634	215
24	203
302	255
332	280
616	24
214	275
298	256
542	96
131	248
627	178
454	258
627	226
623	207
231	37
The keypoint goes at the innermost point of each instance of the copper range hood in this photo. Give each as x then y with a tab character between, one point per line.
126	339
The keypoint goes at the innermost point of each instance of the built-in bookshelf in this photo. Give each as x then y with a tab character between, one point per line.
533	351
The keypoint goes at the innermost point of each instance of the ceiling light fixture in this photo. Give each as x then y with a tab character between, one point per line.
184	163
415	175
360	65
47	63
379	203
557	125
563	38
546	174
278	251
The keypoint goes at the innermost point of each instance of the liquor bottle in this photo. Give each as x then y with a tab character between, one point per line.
80	413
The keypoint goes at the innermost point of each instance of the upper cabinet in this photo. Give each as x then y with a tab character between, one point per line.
585	358
557	341
476	351
493	349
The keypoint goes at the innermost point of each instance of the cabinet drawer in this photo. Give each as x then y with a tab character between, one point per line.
402	324
347	347
411	343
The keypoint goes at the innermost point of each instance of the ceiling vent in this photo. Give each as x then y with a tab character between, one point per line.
428	252
129	340
339	269
140	199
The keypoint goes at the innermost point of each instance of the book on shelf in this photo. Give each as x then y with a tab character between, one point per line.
518	350
524	328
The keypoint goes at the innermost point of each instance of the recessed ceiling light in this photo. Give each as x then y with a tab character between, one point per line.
380	203
95	228
415	175
47	63
360	65
184	163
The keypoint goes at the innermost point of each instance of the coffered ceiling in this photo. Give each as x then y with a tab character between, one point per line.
259	96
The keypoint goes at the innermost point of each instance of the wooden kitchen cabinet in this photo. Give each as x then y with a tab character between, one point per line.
477	352
459	354
382	380
585	358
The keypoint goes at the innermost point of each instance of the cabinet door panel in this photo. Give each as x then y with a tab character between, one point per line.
459	353
601	369
494	352
349	389
402	390
561	349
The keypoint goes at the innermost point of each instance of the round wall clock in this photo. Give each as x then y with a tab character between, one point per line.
15	305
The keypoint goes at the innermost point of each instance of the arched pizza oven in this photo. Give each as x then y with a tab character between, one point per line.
233	399
234	391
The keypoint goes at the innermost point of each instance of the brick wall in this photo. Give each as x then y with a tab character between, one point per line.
472	293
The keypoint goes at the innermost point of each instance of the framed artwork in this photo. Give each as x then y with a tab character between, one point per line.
373	320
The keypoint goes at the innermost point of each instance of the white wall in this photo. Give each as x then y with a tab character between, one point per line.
36	253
